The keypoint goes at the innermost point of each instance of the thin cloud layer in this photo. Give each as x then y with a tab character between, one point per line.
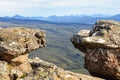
58	7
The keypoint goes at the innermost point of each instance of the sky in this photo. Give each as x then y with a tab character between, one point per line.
58	7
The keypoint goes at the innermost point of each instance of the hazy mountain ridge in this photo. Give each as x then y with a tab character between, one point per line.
84	19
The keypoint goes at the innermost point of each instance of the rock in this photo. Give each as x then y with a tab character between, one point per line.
15	45
101	47
18	41
47	71
4	72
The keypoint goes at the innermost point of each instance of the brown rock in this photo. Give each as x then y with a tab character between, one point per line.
4	72
48	71
17	41
101	47
15	45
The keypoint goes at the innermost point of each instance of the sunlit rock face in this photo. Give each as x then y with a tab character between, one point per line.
15	45
101	46
43	70
19	41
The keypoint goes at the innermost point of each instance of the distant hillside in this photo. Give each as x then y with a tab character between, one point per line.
59	49
83	19
115	17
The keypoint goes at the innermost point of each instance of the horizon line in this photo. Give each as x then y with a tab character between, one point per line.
60	16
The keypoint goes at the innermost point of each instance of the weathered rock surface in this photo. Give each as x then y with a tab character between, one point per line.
48	71
15	45
101	46
41	70
19	41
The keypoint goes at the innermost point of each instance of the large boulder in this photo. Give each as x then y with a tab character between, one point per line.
101	47
19	41
15	45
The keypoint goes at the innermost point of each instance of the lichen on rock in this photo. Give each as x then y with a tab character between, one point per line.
18	41
15	45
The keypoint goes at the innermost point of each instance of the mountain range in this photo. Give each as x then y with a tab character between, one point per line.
84	19
59	49
59	30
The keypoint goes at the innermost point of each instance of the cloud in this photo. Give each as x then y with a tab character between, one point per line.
76	3
55	3
48	7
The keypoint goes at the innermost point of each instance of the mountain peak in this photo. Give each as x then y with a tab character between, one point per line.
17	16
